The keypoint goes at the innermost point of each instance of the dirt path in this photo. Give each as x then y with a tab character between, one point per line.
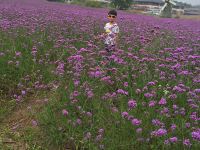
13	127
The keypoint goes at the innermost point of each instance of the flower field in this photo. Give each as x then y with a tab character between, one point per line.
146	96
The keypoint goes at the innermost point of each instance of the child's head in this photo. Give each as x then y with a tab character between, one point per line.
112	15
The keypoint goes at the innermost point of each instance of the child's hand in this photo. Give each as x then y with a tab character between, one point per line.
108	31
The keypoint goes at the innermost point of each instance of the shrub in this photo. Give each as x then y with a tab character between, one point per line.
56	0
94	4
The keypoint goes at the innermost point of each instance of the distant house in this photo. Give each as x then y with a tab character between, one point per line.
192	11
153	7
157	3
148	6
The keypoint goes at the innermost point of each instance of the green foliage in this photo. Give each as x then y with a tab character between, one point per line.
80	1
56	0
90	3
121	4
94	4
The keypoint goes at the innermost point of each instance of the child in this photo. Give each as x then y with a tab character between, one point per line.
111	32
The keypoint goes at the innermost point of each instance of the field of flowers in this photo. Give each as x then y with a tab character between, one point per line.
146	98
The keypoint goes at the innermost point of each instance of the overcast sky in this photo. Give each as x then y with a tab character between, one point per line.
193	2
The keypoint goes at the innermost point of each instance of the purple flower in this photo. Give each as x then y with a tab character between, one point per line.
23	92
114	109
126	84
2	54
34	123
173	139
152	103
130	117
136	122
17	53
89	114
173	127
173	96
196	135
139	130
87	136
159	132
64	112
101	131
151	83
148	95
186	142
76	82
178	89
132	104
197	91
124	114
187	125
175	67
90	94
78	121
194	116
145	88
162	101
175	107
166	142
120	91
75	93
99	137
157	122
137	91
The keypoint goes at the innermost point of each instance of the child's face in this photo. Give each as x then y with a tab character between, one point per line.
112	18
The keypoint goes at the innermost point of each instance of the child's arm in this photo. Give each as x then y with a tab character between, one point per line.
116	31
117	40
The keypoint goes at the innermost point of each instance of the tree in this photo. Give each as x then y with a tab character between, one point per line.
121	4
56	0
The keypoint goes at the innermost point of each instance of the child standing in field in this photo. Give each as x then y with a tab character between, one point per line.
111	32
110	35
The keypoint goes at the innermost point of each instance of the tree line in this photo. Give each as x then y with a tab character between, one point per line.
118	4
